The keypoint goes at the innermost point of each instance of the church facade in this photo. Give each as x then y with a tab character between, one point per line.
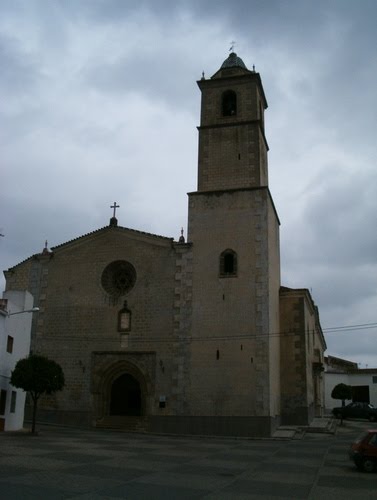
185	336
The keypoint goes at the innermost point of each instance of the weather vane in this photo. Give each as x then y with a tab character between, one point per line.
232	45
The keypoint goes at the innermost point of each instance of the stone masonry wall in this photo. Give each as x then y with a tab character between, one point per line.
230	342
78	317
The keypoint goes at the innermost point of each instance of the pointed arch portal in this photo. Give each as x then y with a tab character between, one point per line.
125	397
122	384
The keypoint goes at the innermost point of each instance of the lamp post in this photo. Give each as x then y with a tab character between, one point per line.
34	309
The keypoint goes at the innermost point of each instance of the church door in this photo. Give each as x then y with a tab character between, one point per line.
125	396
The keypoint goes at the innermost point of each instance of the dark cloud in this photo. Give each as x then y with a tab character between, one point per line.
353	346
19	74
160	78
334	225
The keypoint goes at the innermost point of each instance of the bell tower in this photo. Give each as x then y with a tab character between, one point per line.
234	231
232	144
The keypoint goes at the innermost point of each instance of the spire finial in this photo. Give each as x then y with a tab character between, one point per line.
181	238
232	45
45	250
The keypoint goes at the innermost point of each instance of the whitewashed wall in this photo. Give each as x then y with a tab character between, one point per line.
353	379
18	327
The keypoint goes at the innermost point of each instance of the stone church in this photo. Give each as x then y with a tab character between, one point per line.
193	336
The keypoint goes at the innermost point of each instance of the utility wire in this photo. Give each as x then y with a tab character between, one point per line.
179	338
363	326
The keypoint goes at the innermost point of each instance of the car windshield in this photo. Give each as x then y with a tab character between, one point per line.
360	438
373	440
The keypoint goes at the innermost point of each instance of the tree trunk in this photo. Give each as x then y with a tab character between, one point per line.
35	401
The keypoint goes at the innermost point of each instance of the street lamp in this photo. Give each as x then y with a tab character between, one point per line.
34	309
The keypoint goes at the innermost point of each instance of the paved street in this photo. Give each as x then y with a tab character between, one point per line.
63	463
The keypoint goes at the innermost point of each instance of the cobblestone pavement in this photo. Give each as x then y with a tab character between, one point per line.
63	463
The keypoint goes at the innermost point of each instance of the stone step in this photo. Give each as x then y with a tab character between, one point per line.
126	423
285	432
322	425
319	425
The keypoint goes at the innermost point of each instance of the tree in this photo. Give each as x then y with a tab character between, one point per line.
37	375
342	391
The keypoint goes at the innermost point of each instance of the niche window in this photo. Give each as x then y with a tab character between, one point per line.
229	103
124	319
10	344
228	263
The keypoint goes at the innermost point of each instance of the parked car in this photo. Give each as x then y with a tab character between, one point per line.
356	410
363	452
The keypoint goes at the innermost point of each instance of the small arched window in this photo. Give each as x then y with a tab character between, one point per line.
229	103
228	263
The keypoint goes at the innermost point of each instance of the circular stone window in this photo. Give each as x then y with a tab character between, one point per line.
118	278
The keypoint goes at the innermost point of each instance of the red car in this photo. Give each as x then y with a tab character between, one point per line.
364	451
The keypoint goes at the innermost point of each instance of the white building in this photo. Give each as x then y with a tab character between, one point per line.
363	381
15	331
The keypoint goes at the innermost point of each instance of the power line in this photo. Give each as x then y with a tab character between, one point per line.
176	338
363	326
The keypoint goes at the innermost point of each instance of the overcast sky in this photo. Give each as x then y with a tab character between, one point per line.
98	103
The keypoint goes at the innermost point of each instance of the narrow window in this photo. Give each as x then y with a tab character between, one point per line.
228	263
229	103
13	402
3	400
10	344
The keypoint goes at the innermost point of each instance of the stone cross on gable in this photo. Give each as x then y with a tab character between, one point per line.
115	206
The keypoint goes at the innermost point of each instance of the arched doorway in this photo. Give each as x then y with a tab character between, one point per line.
125	398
